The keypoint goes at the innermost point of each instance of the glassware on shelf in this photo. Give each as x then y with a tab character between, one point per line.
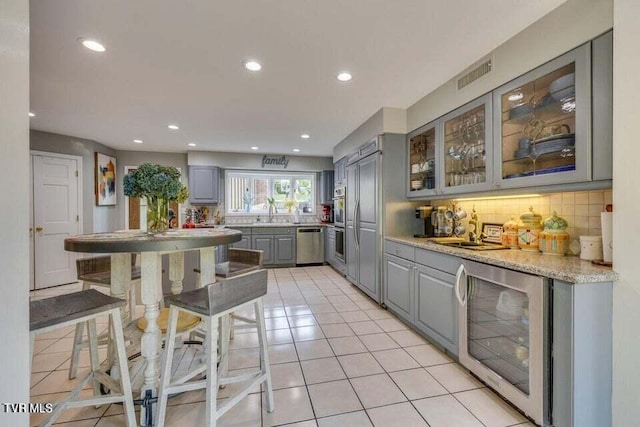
465	154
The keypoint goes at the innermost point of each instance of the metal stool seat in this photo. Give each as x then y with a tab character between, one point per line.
213	303
75	308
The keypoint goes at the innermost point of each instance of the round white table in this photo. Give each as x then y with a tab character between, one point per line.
121	244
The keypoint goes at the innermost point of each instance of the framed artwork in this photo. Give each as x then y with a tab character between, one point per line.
493	232
105	180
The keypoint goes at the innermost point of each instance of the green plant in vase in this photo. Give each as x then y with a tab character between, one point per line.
160	185
290	203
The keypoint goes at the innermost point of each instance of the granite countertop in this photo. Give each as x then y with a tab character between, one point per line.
266	224
570	269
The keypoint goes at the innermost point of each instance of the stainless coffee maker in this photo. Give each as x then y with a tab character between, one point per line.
425	213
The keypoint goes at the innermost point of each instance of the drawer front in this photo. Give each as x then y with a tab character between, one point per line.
244	230
442	262
399	250
273	230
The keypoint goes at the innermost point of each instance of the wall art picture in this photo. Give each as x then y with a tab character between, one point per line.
105	180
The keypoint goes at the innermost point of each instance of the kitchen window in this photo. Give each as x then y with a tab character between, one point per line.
249	192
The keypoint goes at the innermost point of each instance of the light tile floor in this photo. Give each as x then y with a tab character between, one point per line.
337	359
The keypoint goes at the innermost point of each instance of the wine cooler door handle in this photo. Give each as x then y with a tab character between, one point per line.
461	272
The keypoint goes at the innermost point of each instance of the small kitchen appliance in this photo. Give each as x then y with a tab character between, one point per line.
424	213
326	217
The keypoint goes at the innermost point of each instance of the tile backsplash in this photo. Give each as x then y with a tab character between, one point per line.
581	209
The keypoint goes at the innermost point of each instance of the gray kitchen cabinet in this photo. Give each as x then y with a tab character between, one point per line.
467	135
559	148
278	244
418	287
326	187
330	246
602	106
340	172
436	306
284	249
204	188
582	354
245	241
400	286
264	243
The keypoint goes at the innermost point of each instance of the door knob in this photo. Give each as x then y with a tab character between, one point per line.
38	229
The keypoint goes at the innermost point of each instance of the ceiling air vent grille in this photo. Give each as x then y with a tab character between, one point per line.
475	74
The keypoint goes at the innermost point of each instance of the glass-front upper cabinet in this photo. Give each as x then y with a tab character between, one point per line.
466	157
544	124
422	168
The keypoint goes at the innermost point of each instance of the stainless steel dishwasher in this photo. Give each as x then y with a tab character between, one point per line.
310	245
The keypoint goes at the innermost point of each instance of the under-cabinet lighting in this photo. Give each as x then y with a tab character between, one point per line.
254	148
173	127
191	144
517	196
305	136
137	141
296	150
31	114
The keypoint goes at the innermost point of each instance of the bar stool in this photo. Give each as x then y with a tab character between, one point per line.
240	261
96	271
75	308
212	302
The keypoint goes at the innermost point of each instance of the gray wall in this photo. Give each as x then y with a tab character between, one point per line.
136	158
626	291
374	126
14	187
570	25
95	218
254	161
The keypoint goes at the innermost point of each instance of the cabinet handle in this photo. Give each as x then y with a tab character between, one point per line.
459	275
39	229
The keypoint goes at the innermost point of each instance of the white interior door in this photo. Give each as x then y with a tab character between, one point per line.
55	217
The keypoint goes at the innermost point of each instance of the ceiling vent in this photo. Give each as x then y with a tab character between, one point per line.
475	73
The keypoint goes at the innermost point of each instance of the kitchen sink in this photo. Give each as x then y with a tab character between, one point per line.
474	245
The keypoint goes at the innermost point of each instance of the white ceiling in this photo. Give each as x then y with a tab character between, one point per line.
181	62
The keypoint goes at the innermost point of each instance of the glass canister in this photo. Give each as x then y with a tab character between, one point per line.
510	234
529	231
554	239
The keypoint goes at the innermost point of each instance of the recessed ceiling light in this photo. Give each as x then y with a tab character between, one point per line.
252	66
92	45
305	136
137	141
31	114
173	127
296	150
191	144
344	76
254	148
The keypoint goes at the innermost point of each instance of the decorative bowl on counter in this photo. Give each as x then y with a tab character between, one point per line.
555	240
